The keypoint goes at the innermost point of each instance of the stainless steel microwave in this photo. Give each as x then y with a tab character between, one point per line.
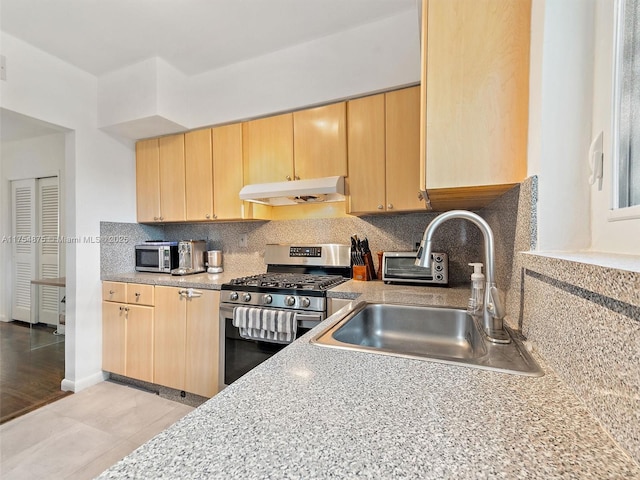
156	256
398	267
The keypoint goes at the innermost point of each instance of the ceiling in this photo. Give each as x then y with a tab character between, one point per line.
194	36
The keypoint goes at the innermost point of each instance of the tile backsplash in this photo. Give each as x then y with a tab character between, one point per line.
460	239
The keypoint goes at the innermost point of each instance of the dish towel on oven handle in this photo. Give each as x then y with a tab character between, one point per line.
264	324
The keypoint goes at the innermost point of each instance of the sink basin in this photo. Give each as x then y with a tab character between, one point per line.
439	334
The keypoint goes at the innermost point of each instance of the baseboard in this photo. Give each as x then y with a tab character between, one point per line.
78	385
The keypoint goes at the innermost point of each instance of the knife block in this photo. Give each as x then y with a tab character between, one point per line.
360	272
365	272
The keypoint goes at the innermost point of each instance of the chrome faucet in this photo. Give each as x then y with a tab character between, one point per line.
493	308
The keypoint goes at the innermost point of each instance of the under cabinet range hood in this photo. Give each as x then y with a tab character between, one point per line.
316	190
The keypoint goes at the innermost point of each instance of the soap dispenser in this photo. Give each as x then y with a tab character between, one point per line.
476	299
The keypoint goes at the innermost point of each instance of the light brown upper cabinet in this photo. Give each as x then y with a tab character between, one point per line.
148	180
402	167
384	152
475	81
213	163
227	172
268	149
199	175
160	179
320	141
366	181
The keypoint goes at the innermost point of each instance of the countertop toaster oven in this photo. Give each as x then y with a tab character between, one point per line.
398	267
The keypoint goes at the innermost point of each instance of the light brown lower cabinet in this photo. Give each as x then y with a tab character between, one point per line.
127	340
186	339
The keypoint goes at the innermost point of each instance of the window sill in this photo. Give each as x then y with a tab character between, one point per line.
628	213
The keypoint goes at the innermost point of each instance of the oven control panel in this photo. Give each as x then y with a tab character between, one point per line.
273	300
320	255
306	251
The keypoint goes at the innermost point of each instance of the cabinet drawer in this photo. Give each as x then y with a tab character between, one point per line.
114	292
140	294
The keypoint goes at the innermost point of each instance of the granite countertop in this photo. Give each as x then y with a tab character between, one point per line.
208	281
315	412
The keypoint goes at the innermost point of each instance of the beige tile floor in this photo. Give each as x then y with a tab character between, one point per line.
81	435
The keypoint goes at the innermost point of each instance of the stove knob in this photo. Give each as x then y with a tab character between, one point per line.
246	297
267	299
290	301
305	302
233	296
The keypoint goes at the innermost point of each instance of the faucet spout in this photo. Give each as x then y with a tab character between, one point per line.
493	311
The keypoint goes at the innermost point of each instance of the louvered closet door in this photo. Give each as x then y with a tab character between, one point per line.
23	195
48	247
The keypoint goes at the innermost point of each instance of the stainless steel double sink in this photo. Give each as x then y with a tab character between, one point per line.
438	334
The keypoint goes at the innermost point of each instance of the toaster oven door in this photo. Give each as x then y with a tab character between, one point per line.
399	267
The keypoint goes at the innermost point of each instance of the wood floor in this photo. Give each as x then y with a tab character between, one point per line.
29	378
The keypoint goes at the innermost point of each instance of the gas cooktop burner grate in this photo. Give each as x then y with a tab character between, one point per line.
293	281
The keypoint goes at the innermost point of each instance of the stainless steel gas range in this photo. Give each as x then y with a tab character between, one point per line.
262	314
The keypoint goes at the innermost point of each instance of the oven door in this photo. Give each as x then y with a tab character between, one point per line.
240	355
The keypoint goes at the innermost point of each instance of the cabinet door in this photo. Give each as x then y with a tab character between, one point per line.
198	175
172	178
148	180
203	344
476	92
366	146
139	343
268	149
169	337
402	117
227	171
113	337
320	141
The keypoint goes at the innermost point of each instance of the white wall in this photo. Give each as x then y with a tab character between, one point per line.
100	183
151	94
560	130
371	57
26	158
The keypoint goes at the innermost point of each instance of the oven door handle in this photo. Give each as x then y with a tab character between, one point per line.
314	317
308	320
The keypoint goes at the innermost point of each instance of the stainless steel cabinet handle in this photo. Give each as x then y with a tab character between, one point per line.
390	206
137	294
190	293
111	292
156	218
288	177
207	216
296	177
380	207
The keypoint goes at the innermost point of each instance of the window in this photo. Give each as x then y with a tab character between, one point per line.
626	129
